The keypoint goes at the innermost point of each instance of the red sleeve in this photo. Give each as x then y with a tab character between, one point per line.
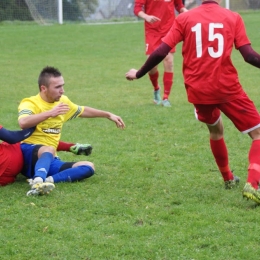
178	5
241	38
139	6
175	35
1	126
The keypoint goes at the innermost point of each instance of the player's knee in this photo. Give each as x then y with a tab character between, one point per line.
92	166
86	163
87	170
47	149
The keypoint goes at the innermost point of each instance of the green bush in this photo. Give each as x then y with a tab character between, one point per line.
11	10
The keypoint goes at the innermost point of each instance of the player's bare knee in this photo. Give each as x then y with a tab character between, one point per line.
91	165
46	149
84	163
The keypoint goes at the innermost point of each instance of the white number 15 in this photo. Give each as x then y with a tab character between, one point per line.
212	37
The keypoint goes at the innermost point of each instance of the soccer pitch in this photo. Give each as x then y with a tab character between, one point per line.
157	193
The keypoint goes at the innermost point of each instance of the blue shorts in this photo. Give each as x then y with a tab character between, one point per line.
30	156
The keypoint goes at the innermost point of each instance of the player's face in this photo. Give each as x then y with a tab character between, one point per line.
55	90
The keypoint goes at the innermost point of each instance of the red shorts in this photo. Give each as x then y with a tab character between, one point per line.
242	112
14	157
152	42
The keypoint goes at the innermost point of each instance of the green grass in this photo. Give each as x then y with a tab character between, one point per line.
157	193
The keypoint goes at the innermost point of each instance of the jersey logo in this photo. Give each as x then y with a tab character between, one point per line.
52	131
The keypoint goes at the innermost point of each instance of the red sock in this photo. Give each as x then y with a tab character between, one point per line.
64	146
154	79
220	153
254	164
167	82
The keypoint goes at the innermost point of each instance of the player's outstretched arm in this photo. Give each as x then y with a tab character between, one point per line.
118	120
90	112
13	137
154	59
249	55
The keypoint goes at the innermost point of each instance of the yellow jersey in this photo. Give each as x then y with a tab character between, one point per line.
47	132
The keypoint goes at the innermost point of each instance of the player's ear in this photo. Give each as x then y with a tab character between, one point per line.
43	88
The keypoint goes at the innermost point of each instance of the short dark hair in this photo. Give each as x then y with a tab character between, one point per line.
46	74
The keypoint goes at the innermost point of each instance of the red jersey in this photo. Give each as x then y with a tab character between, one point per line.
11	159
208	33
163	9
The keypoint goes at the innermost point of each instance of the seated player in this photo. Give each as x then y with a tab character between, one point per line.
48	111
11	157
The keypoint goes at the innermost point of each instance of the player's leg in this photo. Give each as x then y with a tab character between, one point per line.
243	113
37	162
251	189
78	149
253	177
152	42
42	166
70	171
167	79
210	115
154	76
220	153
254	158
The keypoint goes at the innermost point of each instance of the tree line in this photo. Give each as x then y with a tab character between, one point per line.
11	10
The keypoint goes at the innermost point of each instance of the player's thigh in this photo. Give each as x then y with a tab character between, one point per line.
30	156
58	165
168	63
208	114
152	42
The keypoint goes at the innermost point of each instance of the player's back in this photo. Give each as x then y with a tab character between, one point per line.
209	33
212	29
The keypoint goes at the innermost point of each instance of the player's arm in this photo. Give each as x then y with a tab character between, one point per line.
249	55
179	6
13	137
139	11
28	119
90	112
154	59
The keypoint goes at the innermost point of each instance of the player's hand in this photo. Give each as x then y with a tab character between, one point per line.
60	109
118	120
183	10
131	74
152	19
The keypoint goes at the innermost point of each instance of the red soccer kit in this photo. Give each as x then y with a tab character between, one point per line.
163	9
11	162
209	75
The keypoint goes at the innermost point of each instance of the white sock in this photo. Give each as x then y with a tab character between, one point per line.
49	179
37	180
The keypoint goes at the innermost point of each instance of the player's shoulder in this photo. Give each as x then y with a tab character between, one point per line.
64	99
31	99
231	16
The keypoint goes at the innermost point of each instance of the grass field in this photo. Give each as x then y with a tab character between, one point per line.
157	193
